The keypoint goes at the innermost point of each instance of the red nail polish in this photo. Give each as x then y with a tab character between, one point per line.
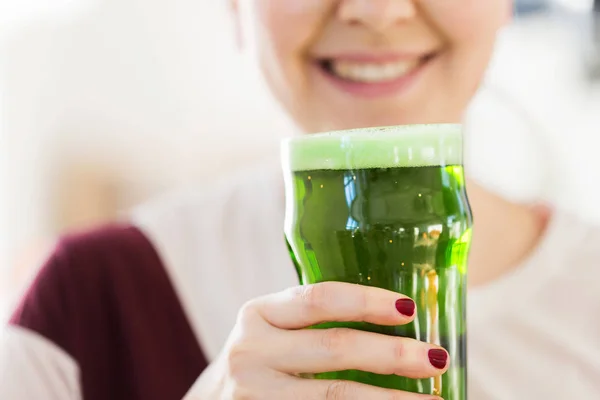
438	358
406	307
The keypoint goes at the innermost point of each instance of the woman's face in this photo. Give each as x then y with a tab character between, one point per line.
339	64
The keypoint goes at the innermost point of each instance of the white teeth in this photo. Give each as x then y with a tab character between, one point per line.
371	72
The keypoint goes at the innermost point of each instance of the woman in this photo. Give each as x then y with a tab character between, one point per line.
190	300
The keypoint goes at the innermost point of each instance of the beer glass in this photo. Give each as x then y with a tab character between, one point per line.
387	207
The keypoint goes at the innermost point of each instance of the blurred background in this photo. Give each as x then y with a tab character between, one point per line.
105	103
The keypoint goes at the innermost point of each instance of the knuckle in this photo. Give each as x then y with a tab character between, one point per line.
395	361
241	392
363	298
396	396
238	358
338	390
398	349
249	312
334	340
316	297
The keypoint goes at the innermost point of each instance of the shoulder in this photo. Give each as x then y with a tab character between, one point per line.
567	268
223	239
577	244
250	185
83	271
588	243
101	292
198	219
574	238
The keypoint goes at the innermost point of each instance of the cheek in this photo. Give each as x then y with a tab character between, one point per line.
284	30
466	22
290	26
470	28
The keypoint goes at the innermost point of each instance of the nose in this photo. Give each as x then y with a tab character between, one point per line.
378	15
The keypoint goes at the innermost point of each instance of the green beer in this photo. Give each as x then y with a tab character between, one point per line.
387	207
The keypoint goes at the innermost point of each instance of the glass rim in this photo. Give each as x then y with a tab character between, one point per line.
390	130
378	147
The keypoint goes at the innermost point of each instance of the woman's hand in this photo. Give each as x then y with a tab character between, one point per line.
268	348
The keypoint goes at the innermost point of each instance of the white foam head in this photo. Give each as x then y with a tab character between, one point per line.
386	147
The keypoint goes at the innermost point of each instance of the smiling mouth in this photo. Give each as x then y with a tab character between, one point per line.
373	72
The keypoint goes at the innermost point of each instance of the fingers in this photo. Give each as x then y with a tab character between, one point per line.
346	390
338	349
303	306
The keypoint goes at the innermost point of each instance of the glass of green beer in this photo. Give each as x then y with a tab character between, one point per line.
387	207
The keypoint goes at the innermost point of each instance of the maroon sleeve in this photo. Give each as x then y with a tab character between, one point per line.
106	299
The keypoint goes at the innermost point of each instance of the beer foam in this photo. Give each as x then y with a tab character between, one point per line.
385	147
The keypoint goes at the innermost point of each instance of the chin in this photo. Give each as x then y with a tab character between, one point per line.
349	120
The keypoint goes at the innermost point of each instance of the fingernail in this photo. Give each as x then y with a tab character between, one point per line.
406	307
438	358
